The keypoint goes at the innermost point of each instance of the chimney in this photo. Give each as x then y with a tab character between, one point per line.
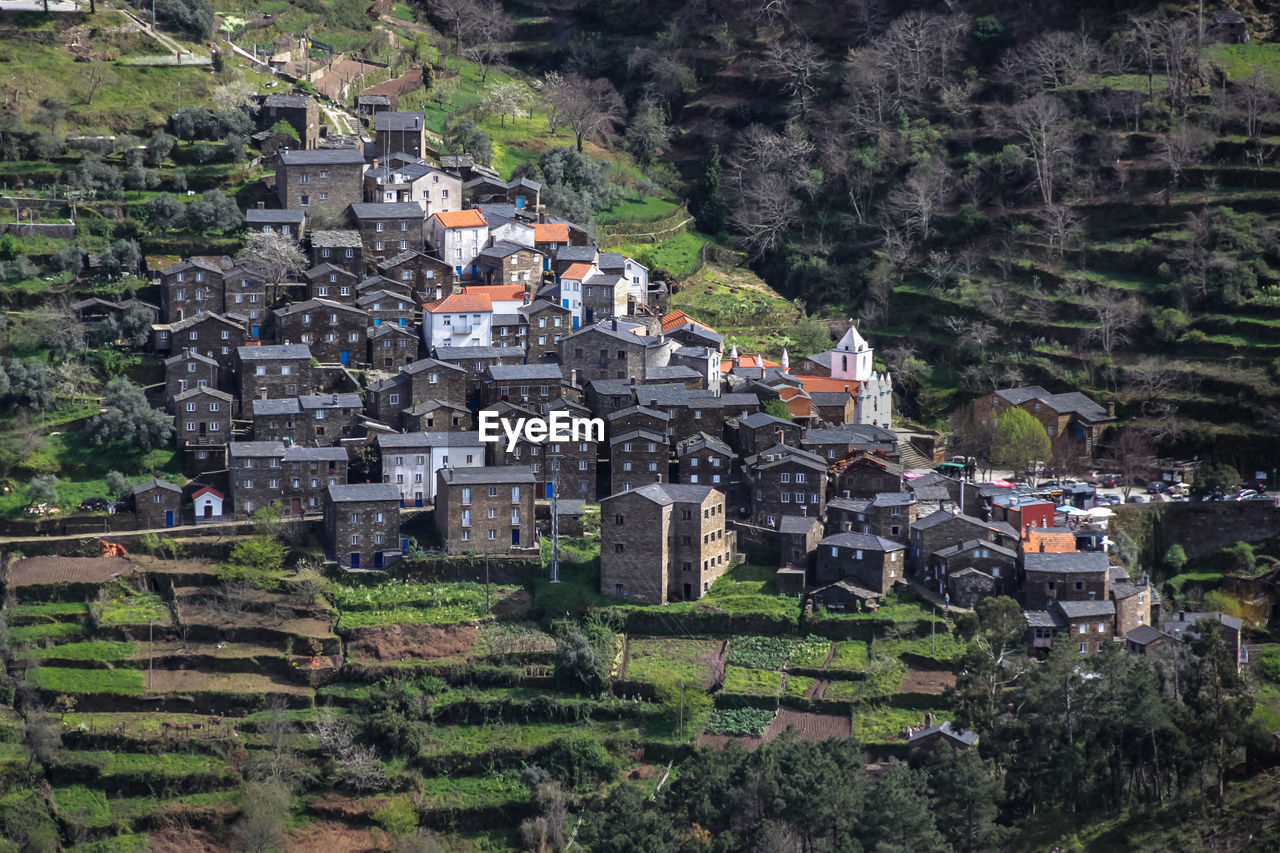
1111	409
375	162
615	324
439	292
1092	594
573	377
542	215
1182	616
527	297
782	436
335	399
262	205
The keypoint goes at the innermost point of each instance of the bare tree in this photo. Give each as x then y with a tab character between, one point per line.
763	172
1050	61
1181	148
927	190
456	16
94	76
1143	42
1130	456
767	209
1181	59
1043	124
920	52
593	108
1255	100
277	254
796	63
1059	226
360	768
1114	316
486	35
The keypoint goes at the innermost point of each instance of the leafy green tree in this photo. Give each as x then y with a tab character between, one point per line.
776	408
165	213
1241	559
1124	549
575	186
966	793
1169	324
628	824
1219	700
398	817
648	133
258	561
214	211
903	819
127	420
461	136
993	661
1216	480
1020	441
578	667
135	325
708	204
159	146
118	485
1175	558
121	257
43	489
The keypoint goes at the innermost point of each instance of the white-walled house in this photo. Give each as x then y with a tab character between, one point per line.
458	320
571	289
410	460
208	503
457	237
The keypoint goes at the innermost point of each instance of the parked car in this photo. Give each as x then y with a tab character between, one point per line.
95	505
1244	494
1137	499
1157	487
1110	499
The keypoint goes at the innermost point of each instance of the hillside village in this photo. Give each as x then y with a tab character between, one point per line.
295	557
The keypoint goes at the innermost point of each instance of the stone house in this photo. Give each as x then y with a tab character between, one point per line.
533	386
212	335
341	248
191	286
315	419
362	525
834	443
1090	624
202	428
336	333
546	324
388	229
940	530
430	188
264	472
323	177
301	112
603	296
798	538
869	561
1133	605
410	460
975	569
637	458
784	481
386	399
505	262
392	345
759	431
428	276
437	416
845	596
187	370
485	510
1184	626
332	282
607	396
866	474
397	131
887	514
663	542
1078	576
474	361
704	460
1146	640
610	349
264	372
287	223
157	504
245	294
1073	422
385	307
438	380
637	417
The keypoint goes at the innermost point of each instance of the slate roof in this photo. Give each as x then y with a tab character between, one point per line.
1071	402
782	453
387	210
1121	591
321	157
1078	561
1044	619
850	504
364	492
518	474
634	434
273	351
505	372
1145	635
970	544
255	449
851	588
665	494
671	372
502	249
286	217
633	410
202	389
428	439
1087	609
287	100
797	524
933	519
863	541
298	453
469	353
697	442
576	254
964	736
893	499
1187	624
155	484
394	121
755	420
336	238
427	364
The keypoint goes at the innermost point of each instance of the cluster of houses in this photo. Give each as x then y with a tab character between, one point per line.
355	389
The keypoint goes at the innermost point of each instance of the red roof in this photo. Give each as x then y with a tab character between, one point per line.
500	292
461	218
577	272
207	490
458	303
676	319
826	383
747	361
550	232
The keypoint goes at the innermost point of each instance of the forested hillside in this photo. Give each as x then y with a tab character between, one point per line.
1071	194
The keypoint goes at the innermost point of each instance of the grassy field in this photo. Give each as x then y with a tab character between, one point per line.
679	256
126	682
850	656
640	208
97	650
397	602
752	682
653	658
49	631
134	609
798	685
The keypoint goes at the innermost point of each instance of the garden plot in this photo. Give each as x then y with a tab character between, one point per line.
412	642
769	725
241	683
401	602
651	659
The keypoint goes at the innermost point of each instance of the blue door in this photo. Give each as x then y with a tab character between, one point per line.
355	559
417	501
404	545
377	322
551	488
515	536
591	312
345	357
519	202
546	263
168	518
402	321
575	321
475	271
377	560
253	330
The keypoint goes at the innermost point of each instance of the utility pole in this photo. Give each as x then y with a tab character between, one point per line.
486	584
151	650
682	708
555	521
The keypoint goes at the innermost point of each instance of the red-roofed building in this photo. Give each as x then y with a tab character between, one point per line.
504	298
676	319
457	237
208	503
746	361
572	288
459	320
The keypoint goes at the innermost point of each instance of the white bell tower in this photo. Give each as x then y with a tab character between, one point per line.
852	357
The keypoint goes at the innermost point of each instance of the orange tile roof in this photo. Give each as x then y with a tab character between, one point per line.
1048	541
500	292
459	303
826	383
747	361
460	218
677	318
577	272
550	232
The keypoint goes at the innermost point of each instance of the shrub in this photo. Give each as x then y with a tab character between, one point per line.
759	652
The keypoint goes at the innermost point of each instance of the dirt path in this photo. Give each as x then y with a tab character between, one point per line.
831	653
818	690
626	658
